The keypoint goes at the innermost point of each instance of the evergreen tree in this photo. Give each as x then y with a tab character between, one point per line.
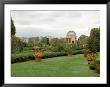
13	29
94	40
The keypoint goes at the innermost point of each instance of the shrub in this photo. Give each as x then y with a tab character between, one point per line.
92	67
78	52
93	43
97	66
21	57
28	55
54	54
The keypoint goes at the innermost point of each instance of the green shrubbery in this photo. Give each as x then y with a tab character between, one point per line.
21	57
78	52
93	43
28	55
96	65
54	54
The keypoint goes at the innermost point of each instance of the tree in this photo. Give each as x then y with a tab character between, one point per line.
14	40
57	44
82	41
16	43
13	29
45	41
94	40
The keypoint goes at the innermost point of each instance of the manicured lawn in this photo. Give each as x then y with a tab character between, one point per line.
75	66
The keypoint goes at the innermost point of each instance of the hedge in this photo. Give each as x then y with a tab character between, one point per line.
22	57
54	54
78	52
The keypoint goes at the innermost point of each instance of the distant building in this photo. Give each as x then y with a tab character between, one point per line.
24	39
70	37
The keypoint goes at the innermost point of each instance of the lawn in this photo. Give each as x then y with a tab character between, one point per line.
75	66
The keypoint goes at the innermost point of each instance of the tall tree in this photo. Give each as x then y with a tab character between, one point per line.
16	43
94	40
13	29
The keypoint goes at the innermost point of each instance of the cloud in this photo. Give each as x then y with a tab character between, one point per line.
54	23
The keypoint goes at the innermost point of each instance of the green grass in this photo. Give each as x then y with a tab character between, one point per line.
75	66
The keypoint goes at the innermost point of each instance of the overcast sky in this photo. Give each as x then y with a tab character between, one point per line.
54	23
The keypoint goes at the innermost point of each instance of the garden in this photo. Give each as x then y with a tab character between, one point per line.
74	66
43	57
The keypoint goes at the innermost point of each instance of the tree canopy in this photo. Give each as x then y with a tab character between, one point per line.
94	40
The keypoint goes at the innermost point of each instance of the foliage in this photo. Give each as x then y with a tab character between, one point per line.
54	54
82	41
53	44
33	41
77	52
69	48
13	29
28	55
45	40
21	57
57	44
94	40
17	44
92	67
97	66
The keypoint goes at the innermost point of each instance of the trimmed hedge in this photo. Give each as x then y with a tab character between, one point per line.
57	54
21	57
77	52
54	54
26	56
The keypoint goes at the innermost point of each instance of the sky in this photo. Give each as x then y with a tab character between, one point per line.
54	23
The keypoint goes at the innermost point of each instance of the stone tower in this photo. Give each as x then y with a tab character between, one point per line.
70	37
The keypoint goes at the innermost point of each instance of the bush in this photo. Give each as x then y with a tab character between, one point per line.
54	54
92	67
97	66
22	57
93	43
27	48
77	52
28	55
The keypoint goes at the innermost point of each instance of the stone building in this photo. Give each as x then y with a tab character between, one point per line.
70	37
